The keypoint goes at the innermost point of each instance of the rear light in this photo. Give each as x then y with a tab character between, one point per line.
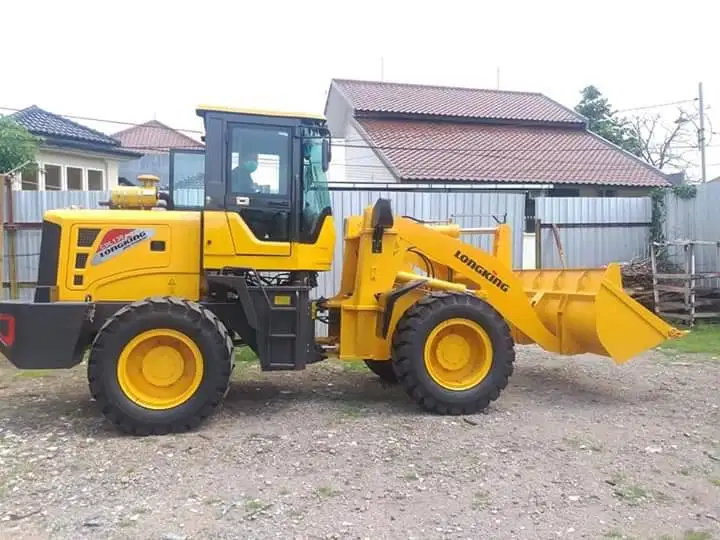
7	329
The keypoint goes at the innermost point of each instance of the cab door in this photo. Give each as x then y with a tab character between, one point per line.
259	189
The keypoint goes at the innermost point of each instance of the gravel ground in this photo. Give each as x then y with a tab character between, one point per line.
574	448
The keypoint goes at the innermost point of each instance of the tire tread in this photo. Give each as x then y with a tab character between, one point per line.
209	324
408	331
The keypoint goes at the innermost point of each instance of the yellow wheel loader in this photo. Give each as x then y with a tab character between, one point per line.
161	295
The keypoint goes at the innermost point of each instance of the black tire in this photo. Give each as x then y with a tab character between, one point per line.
409	340
383	369
200	325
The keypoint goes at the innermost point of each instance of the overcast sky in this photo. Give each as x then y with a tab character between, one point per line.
135	60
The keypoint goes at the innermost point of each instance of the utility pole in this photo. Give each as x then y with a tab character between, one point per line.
701	133
497	78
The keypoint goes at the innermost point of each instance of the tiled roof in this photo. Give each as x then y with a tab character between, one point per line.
43	123
440	101
155	137
434	151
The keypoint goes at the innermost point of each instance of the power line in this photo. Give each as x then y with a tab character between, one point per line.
116	122
481	152
658	105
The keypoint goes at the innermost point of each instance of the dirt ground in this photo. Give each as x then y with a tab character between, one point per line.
574	448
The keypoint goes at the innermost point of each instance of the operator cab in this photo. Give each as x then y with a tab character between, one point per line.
268	167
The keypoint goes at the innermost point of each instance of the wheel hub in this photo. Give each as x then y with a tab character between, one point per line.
458	354
162	366
160	369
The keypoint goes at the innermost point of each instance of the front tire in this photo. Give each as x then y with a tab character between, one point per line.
452	353
160	365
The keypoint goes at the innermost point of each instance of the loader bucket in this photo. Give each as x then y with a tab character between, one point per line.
588	310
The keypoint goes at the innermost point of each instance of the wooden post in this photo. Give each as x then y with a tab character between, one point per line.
656	292
2	235
693	299
12	232
538	244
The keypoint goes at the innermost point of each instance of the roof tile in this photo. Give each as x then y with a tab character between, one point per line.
414	99
155	137
43	123
434	151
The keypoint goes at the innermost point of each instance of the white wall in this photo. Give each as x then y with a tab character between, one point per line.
528	251
362	163
81	160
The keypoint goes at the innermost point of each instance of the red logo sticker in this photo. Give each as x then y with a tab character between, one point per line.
7	329
116	241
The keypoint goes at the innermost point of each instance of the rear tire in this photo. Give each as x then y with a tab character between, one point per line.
383	369
470	371
160	365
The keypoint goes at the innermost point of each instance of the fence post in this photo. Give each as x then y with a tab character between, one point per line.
538	244
12	231
2	235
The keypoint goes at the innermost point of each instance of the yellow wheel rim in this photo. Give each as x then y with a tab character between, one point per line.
160	369
458	354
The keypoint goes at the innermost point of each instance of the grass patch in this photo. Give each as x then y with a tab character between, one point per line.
702	339
245	355
354	410
354	366
616	534
325	491
631	494
634	494
34	373
715	482
255	505
481	499
697	535
412	476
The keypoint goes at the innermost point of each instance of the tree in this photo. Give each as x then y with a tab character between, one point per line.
17	146
603	121
666	142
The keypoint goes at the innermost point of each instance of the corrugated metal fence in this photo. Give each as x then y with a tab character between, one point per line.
593	231
695	219
21	236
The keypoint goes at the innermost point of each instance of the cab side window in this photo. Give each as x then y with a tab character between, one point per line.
259	161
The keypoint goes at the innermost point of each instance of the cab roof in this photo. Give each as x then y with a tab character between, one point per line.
202	109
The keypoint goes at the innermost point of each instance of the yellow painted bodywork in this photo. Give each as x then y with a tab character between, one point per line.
259	112
138	271
160	369
228	241
563	311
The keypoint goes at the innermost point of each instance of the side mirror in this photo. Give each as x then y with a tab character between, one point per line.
326	154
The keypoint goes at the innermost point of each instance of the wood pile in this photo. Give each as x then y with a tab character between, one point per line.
638	281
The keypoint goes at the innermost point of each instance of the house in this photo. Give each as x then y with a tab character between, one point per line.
410	133
154	140
70	157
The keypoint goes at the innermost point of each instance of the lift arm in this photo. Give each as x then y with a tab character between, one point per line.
499	285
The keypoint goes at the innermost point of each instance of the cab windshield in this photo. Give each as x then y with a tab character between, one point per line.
316	196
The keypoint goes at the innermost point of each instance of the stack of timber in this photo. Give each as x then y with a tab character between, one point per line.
638	281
